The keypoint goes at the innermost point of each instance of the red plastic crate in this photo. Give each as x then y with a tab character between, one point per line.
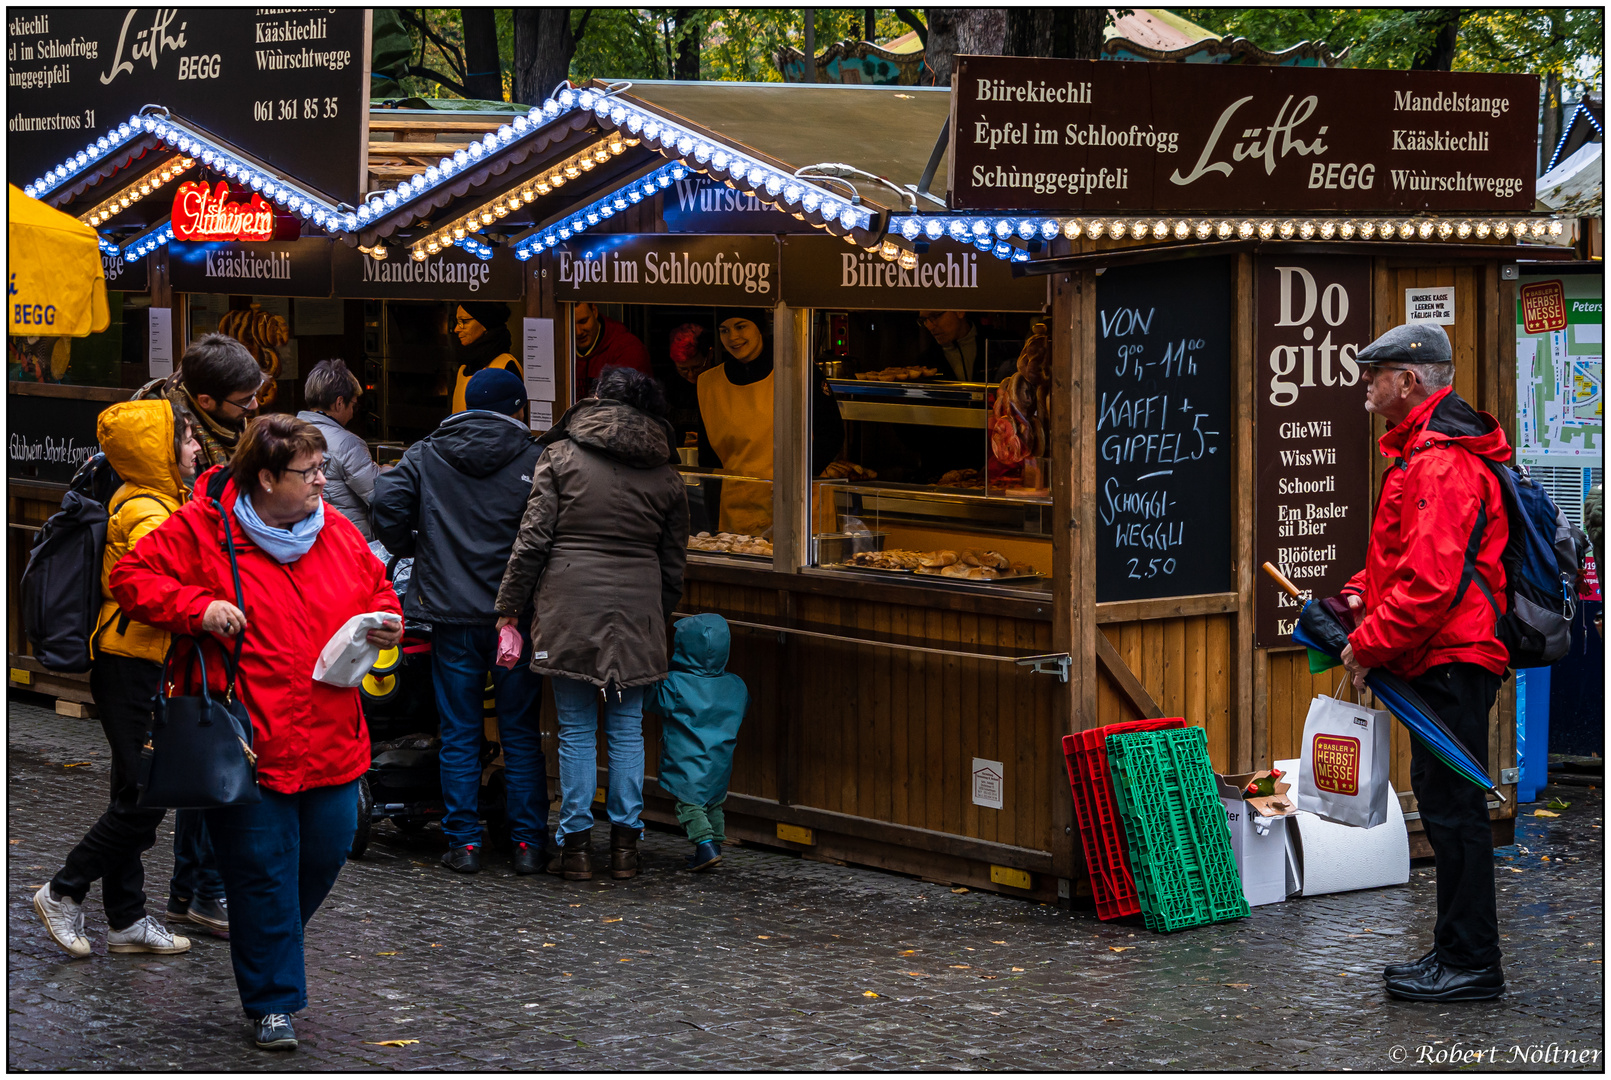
1101	833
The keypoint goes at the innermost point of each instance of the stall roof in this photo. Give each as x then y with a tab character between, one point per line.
888	131
1576	187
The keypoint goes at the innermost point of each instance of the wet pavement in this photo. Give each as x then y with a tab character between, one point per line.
774	962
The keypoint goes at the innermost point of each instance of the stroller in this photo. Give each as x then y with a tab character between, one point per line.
404	782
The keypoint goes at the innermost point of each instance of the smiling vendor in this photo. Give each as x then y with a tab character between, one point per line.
482	330
735	402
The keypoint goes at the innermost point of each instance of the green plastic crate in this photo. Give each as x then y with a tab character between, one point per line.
1180	846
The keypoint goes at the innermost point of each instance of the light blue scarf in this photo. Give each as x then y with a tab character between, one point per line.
286	545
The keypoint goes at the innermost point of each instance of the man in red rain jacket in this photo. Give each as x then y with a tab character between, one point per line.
1423	614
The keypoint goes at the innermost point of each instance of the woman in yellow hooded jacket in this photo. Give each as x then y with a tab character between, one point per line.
153	448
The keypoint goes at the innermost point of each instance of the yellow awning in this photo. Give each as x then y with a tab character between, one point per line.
55	284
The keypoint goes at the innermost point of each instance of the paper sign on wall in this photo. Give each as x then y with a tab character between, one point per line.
542	415
1429	305
987	783
538	360
159	324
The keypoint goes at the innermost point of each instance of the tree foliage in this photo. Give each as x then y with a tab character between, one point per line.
1565	42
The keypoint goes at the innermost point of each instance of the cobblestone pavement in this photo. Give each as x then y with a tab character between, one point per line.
772	962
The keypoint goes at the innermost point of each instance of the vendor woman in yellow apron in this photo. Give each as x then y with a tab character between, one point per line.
735	402
482	330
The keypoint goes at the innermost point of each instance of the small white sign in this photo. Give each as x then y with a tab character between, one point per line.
987	783
159	324
538	359
542	415
1430	305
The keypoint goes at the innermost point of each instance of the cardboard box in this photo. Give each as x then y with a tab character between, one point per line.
1258	826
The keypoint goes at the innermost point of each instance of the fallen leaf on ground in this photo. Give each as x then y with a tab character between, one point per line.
1237	986
1559	804
1018	969
1545	813
565	973
434	945
1515	870
393	1042
624	960
904	952
548	944
385	954
915	974
531	1005
990	976
74	764
1120	948
961	965
573	905
998	943
953	890
868	993
763	937
1343	974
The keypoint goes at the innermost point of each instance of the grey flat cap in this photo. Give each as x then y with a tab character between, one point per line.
1415	343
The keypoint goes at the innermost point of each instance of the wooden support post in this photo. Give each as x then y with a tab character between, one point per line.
1245	719
791	447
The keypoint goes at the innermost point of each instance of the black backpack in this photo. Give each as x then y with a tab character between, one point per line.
61	586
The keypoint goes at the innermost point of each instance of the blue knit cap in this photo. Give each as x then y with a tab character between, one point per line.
496	390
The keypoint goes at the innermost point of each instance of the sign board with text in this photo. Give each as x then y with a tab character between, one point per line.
664	268
288	85
126	274
1312	436
697	204
274	268
823	272
451	274
48	438
1163	430
1091	136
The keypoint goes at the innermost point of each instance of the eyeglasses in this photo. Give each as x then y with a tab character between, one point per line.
930	320
244	406
307	474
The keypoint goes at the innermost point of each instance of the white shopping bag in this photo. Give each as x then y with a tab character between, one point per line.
1346	763
347	657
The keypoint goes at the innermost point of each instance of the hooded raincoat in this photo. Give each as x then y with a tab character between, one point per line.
603	545
701	707
137	438
1440	521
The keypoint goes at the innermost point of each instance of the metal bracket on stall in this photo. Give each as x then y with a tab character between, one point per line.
1051	664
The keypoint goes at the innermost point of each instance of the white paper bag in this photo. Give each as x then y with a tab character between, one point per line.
347	657
1346	763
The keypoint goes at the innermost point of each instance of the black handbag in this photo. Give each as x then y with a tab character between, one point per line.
199	755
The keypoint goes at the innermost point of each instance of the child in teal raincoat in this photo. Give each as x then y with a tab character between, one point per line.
701	707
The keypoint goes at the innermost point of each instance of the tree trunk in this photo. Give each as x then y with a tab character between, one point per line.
869	24
970	31
1551	133
1029	32
686	21
1438	53
543	49
1077	32
482	76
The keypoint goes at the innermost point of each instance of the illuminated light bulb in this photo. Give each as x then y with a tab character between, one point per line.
1225	230
792	192
1072	229
1160	229
1287	229
500	211
486	217
684	145
103	143
1307	230
701	152
550	108
460	158
1426	230
1026	229
1205	230
910	227
1501	229
390	199
1116	230
520	125
432	246
1346	230
1483	230
505	133
1183	230
1445	230
1539	228
889	249
124	202
1095	229
145	189
592	217
514	202
588	164
1266	229
635	196
473	225
601	155
1003	229
1002	250
618	113
908	260
432	174
1367	229
774	184
544	187
934	228
378	253
1556	228
652	130
1328	229
979	227
572	170
850	219
418	255
810	201
527	195
458	232
1463	230
476	151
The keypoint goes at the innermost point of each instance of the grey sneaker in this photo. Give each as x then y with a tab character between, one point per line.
274	1032
145	936
207	913
64	920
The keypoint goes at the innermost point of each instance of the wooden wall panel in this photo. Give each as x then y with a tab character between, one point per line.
1186	665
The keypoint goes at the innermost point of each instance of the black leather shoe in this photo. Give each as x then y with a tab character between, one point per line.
1415	967
1439	982
623	852
463	858
528	859
576	860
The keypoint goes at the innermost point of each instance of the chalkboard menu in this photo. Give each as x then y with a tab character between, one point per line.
1312	448
1163	431
49	437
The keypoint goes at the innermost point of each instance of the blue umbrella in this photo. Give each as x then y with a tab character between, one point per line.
1321	631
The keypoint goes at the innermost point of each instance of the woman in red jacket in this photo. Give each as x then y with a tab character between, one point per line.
303	574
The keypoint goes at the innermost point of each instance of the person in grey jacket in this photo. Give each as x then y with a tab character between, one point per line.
603	545
454	503
331	394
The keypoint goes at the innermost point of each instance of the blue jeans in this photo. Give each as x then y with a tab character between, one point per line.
461	656
279	859
195	870
577	703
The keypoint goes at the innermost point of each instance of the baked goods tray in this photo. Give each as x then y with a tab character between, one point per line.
981	581
864	569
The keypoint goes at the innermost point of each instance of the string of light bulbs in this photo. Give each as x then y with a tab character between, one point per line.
136	191
601	210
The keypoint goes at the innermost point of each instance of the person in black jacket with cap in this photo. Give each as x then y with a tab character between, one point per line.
454	503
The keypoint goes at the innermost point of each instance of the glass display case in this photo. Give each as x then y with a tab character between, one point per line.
729	516
943	471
